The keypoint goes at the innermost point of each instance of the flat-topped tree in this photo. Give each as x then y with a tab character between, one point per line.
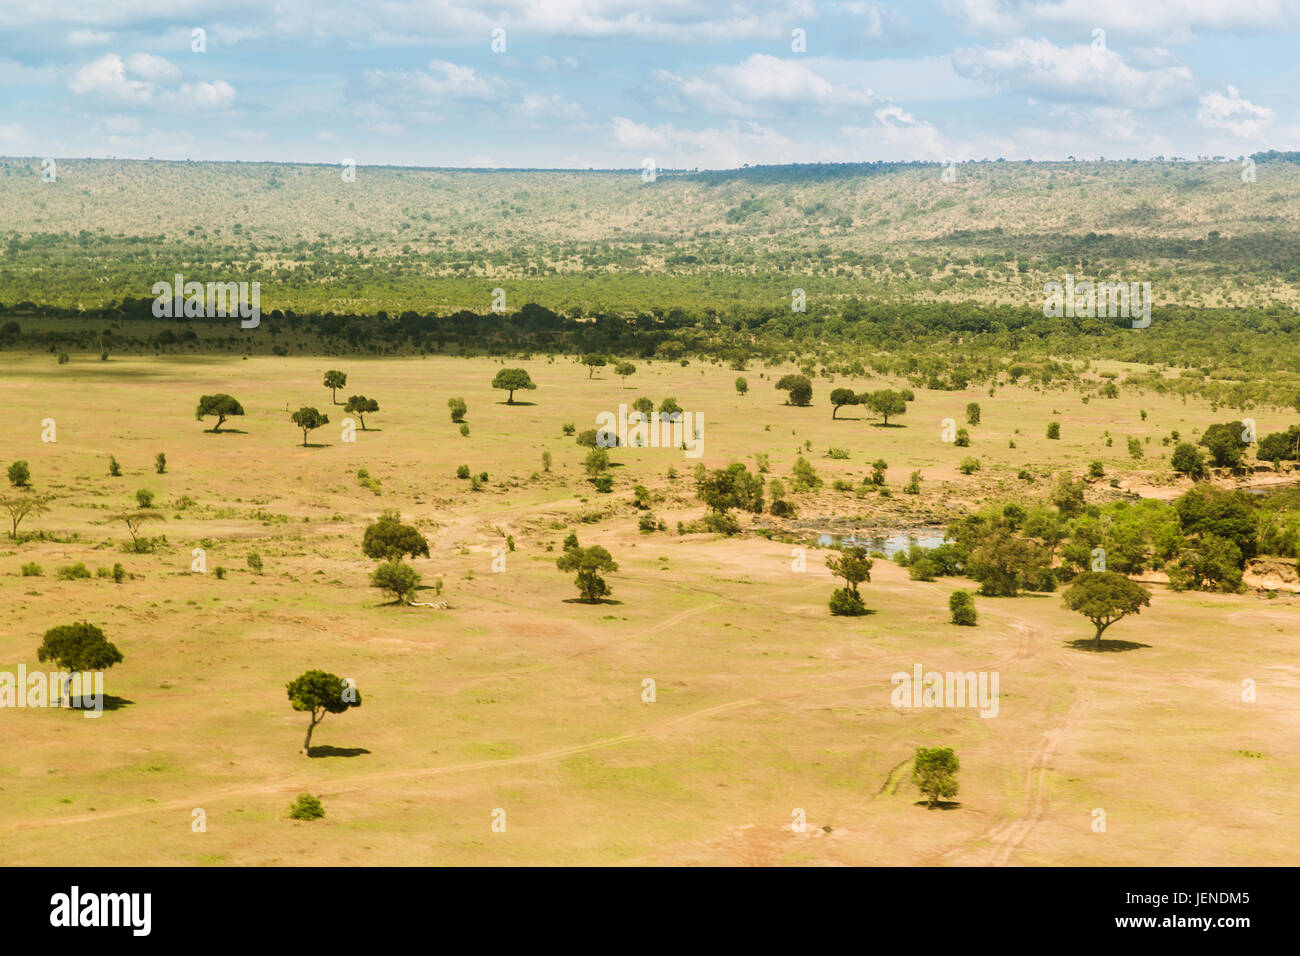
359	405
841	397
320	693
78	648
593	362
512	380
221	405
20	506
588	562
1104	597
134	521
308	419
334	380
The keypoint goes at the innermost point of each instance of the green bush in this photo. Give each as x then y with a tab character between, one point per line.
73	571
306	807
844	603
962	606
32	570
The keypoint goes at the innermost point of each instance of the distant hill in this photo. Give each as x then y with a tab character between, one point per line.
425	239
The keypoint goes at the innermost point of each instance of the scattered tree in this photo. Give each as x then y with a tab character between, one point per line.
320	693
588	562
798	387
512	380
934	771
359	405
221	405
1104	597
308	419
334	380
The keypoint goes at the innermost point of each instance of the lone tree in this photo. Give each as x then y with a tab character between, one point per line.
308	418
334	380
934	771
20	506
962	606
972	413
458	409
885	402
511	380
388	538
396	577
359	405
319	694
742	386
798	387
20	476
593	362
588	562
134	521
1105	597
854	566
841	397
78	647
623	370
221	405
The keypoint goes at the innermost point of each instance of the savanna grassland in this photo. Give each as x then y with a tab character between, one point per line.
518	697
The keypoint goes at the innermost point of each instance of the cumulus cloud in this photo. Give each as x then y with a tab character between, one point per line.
139	80
538	106
88	38
1042	69
761	83
1177	20
1234	113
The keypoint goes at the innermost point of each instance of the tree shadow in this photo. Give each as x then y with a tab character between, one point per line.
313	445
1104	646
939	804
328	751
516	403
591	603
887	425
225	431
372	429
110	703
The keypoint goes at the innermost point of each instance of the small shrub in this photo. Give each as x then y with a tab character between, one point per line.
255	562
962	606
306	807
160	463
114	469
969	466
144	498
844	603
73	571
32	570
462	471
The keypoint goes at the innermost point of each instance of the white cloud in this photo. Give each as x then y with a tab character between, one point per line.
762	83
1039	68
88	38
1176	20
537	106
152	68
107	77
1233	113
204	95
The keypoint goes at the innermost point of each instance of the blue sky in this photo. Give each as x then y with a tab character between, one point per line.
611	83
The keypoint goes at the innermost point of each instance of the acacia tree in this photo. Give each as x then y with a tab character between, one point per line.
20	506
320	693
78	647
593	362
134	521
623	370
221	405
359	405
396	577
334	380
798	387
308	418
388	538
512	380
934	771
841	397
1104	597
854	566
588	562
885	402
